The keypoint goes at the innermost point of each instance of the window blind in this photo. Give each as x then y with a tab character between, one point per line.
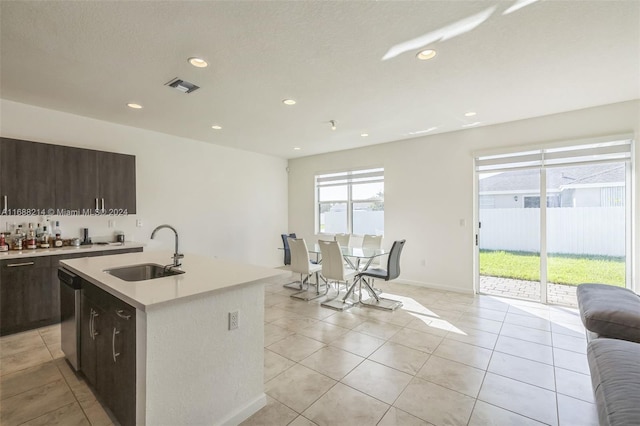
585	153
351	177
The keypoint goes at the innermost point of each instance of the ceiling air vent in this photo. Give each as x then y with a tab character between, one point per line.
182	86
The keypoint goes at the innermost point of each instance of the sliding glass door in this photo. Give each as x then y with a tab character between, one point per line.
585	228
509	239
551	219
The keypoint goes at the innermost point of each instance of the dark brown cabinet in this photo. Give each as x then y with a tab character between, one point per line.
76	180
116	177
26	175
108	350
97	180
30	289
42	176
26	294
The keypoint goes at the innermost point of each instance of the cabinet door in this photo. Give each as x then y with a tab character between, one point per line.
27	175
76	178
124	372
27	299
117	181
92	328
11	301
41	295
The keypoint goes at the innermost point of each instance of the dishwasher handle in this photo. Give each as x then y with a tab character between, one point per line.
69	278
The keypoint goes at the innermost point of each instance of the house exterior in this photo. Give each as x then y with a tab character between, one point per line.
596	185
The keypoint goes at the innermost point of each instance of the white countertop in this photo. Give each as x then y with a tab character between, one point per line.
202	275
68	250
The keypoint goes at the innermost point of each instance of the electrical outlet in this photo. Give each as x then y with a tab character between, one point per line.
139	223
112	224
233	320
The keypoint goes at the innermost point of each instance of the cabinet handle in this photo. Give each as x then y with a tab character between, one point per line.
91	325
113	344
102	205
15	265
94	333
6	205
121	314
96	204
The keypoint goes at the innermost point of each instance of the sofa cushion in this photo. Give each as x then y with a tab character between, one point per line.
610	311
615	375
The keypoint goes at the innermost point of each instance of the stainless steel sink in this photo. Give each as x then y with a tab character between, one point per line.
146	271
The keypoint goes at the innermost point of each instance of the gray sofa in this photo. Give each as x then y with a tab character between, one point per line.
611	316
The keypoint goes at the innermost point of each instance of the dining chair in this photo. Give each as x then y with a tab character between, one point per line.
287	250
392	272
333	265
287	260
373	242
343	239
301	264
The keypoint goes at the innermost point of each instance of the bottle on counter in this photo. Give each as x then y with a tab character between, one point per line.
18	239
3	243
44	238
32	243
58	240
38	232
57	230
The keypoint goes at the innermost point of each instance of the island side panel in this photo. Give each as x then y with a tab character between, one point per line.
197	370
141	367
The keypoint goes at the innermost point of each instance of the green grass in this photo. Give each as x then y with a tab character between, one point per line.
562	269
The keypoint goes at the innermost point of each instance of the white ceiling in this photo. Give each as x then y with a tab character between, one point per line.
92	58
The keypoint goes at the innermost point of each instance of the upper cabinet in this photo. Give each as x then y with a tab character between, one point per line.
116	177
76	179
27	178
98	180
41	176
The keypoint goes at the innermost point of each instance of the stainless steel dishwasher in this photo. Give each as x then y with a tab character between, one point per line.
70	285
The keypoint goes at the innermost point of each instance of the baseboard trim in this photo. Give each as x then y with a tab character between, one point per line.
244	413
435	286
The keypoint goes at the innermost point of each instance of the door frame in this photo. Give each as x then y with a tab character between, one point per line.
630	208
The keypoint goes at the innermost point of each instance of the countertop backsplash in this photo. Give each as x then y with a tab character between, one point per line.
101	228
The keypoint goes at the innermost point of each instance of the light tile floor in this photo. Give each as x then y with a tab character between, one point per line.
443	359
37	386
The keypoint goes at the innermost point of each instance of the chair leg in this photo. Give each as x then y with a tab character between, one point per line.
381	302
307	294
294	285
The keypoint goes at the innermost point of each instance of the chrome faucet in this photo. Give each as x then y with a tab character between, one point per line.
176	256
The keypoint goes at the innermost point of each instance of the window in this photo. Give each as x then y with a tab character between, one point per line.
351	202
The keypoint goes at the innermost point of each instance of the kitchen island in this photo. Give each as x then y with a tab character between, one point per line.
190	367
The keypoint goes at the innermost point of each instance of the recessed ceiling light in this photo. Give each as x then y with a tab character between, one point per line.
364	135
216	127
288	102
134	106
425	55
469	114
297	148
198	62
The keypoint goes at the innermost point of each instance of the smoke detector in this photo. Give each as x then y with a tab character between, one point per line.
182	86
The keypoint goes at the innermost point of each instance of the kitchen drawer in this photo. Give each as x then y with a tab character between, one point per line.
26	262
105	300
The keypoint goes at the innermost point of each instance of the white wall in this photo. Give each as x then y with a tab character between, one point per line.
223	202
429	186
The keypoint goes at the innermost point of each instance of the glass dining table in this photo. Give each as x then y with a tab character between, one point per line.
359	259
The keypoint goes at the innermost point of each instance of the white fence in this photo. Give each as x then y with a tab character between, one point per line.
571	230
364	222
